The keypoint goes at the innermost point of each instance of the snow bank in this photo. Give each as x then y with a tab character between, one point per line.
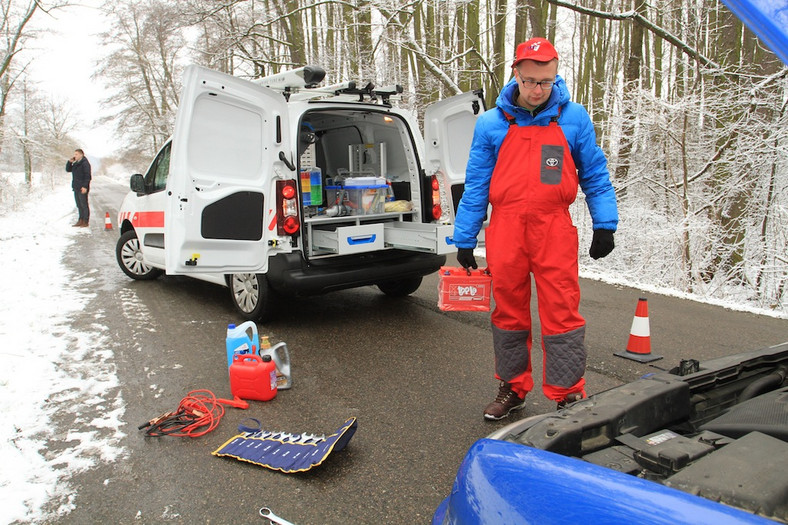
51	376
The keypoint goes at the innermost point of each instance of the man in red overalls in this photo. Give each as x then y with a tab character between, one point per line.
527	158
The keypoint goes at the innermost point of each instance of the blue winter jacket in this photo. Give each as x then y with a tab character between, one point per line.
491	128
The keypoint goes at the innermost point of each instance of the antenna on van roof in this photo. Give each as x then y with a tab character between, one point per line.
306	77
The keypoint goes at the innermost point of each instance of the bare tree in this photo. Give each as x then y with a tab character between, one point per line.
15	17
142	70
41	126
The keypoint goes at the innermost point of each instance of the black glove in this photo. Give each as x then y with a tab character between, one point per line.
466	259
602	244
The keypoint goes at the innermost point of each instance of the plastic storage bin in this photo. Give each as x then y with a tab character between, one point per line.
360	200
464	290
312	187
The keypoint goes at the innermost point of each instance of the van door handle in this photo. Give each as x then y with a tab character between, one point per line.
365	239
287	162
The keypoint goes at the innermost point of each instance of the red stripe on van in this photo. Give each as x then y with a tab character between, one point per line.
148	219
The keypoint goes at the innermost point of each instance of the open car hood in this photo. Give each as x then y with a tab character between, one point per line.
666	444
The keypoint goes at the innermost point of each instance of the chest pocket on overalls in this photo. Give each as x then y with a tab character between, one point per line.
551	164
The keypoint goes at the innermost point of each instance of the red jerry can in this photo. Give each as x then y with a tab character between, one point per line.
253	377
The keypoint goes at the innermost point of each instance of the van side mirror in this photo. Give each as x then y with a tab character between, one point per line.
137	183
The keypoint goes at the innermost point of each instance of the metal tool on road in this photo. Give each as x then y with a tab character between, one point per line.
273	518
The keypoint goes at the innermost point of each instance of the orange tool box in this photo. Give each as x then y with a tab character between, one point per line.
464	290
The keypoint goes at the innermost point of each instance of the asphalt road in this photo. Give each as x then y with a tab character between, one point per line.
416	378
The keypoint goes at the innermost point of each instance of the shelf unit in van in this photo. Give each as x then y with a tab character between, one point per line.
365	233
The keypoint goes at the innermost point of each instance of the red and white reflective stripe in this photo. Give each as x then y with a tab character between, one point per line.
143	219
272	222
640	327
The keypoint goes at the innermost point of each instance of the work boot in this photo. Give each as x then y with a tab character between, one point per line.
84	223
570	398
506	402
78	224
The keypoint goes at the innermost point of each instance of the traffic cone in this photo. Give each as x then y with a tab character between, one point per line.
107	222
639	346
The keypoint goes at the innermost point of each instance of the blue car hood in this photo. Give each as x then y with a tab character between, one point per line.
507	483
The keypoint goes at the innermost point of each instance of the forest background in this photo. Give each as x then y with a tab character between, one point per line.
689	107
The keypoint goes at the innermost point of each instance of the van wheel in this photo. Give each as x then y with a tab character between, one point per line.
129	257
400	288
252	295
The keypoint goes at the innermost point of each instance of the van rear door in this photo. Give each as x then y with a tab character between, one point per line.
448	132
228	137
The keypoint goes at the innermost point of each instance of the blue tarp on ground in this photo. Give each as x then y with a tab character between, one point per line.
768	19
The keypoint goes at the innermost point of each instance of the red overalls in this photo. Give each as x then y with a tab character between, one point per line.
531	231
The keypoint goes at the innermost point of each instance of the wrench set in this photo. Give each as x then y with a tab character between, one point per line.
284	451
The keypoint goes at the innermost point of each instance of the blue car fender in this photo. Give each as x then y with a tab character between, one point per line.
505	483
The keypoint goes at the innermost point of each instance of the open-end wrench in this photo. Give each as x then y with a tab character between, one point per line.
273	518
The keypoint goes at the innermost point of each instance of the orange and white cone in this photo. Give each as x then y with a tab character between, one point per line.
107	222
639	346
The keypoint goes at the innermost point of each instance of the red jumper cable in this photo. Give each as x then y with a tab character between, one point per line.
197	414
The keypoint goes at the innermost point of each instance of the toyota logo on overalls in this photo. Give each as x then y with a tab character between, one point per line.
552	162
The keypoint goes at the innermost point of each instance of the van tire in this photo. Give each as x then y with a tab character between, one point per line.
251	295
401	287
129	257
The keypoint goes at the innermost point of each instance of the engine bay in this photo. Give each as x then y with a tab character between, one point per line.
717	430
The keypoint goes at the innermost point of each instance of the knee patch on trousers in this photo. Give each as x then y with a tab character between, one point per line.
511	352
565	358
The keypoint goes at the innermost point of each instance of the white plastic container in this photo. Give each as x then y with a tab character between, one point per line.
352	182
242	339
281	357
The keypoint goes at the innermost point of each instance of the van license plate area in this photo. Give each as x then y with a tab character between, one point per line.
349	239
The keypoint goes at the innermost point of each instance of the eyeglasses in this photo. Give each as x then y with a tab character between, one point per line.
546	85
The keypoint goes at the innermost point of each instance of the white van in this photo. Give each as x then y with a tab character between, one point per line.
277	187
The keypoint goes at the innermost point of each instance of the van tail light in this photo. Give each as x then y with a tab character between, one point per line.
287	221
437	211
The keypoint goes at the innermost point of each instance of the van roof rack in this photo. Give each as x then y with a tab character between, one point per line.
302	84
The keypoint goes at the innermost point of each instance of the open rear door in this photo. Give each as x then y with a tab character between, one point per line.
448	132
228	135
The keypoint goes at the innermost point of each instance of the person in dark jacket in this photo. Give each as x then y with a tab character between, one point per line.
528	156
79	167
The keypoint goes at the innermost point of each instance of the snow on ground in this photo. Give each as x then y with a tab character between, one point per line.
48	370
662	290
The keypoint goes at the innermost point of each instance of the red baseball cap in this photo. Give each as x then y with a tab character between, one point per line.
538	49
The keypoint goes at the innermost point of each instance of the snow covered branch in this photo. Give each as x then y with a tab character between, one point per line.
640	19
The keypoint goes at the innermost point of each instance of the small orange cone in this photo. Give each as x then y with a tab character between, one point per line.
639	346
107	222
